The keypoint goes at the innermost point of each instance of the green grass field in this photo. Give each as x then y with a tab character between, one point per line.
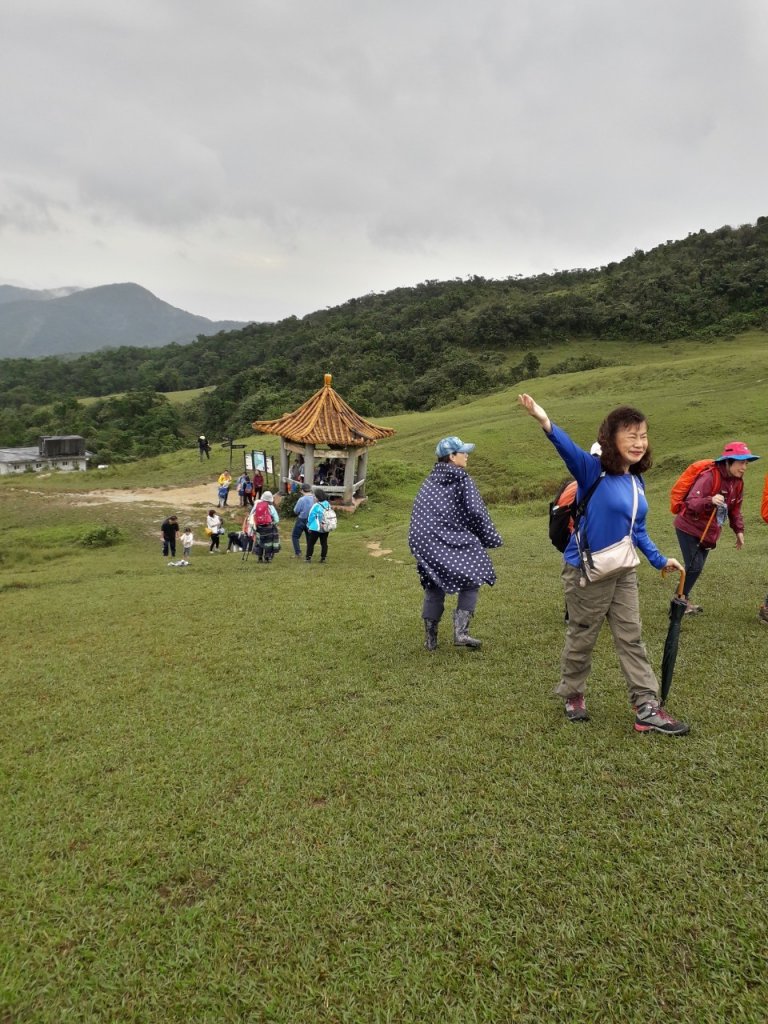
245	793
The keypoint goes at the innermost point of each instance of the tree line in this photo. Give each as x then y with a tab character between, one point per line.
409	348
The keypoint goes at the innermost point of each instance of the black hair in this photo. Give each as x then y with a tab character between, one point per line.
610	459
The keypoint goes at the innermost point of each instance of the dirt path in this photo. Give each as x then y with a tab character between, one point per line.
173	497
178	498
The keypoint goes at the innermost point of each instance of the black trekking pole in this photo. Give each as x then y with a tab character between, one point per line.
699	547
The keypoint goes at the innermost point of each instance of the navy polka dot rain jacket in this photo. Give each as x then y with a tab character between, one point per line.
450	530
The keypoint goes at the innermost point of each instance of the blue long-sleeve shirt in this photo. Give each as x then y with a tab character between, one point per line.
609	511
302	507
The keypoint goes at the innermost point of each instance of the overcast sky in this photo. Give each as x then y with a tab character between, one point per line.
253	159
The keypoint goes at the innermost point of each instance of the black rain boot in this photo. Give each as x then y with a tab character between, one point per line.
461	637
430	630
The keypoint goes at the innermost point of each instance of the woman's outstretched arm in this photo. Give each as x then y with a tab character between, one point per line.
535	410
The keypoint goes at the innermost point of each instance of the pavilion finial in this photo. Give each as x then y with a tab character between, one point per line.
327	380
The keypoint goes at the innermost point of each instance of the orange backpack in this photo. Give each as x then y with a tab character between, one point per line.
764	504
685	482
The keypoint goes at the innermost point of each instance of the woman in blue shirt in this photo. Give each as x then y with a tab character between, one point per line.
616	508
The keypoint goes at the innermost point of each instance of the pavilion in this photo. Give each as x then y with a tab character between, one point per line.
325	427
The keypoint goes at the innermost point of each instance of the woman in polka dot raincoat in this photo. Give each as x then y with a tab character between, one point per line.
450	530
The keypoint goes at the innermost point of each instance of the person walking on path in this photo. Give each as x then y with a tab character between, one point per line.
214	528
224	484
718	489
616	511
265	517
168	530
301	510
449	533
314	532
203	447
247	492
241	488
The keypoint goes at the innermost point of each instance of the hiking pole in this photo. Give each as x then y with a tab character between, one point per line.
676	611
712	515
699	547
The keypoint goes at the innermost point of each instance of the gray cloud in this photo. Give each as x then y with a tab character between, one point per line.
256	159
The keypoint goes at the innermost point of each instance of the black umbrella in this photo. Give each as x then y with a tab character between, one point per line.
676	611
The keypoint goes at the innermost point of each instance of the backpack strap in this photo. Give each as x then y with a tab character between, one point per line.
581	508
716	481
584	552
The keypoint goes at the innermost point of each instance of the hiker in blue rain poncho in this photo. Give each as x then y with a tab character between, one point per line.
450	530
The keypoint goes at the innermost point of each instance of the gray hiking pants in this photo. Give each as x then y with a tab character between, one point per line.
434	602
615	599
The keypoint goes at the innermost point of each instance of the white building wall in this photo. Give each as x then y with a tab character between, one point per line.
69	465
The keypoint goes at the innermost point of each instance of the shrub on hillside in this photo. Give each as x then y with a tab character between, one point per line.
101	537
288	503
576	364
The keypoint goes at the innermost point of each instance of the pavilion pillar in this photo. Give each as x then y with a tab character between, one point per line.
349	476
309	464
363	473
283	467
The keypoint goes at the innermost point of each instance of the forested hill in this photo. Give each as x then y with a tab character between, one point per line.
418	347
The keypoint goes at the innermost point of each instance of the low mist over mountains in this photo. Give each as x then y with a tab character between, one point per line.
63	321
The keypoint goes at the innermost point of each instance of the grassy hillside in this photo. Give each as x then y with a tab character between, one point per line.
237	792
174	397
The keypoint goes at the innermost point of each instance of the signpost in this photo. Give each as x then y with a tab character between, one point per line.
229	443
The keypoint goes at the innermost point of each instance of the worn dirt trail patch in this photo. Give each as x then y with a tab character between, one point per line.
172	497
376	550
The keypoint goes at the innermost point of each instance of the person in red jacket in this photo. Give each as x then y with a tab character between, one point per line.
719	488
762	614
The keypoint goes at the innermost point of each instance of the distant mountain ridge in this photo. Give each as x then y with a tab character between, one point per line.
67	321
10	293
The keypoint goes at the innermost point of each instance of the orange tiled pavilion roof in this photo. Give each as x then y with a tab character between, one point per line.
325	418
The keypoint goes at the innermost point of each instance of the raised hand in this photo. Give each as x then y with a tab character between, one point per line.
534	409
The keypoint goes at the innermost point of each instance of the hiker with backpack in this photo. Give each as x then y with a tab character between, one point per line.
244	489
247	492
320	522
264	517
706	495
301	510
762	614
449	533
599	563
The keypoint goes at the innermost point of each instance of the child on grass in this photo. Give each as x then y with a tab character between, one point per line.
187	540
